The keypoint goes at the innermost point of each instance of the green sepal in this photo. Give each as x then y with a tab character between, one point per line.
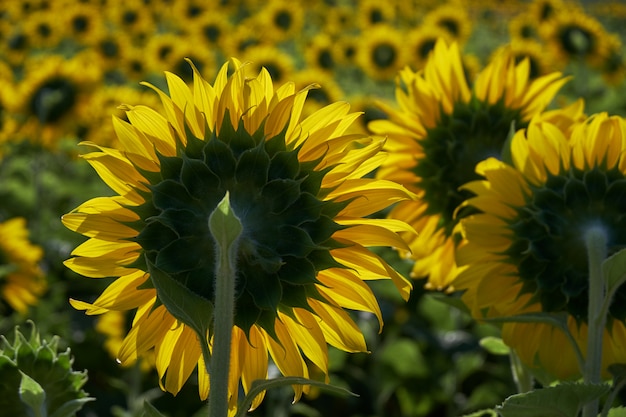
185	305
614	273
506	155
564	400
494	345
33	395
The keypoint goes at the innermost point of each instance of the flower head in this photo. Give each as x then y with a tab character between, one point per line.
297	187
22	281
525	251
441	129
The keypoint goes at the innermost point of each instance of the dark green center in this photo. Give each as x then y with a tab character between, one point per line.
325	59
576	40
549	231
80	24
450	25
425	47
283	20
287	229
211	32
384	55
109	48
473	132
53	99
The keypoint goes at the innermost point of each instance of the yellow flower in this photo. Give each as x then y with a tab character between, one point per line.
298	187
524	252
21	280
441	129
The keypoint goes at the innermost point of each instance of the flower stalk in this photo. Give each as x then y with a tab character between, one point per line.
225	228
596	244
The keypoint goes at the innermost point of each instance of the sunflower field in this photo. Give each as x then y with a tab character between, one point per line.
356	208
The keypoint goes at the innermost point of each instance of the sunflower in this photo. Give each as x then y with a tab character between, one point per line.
543	11
83	23
441	130
278	63
44	29
381	53
573	34
373	12
281	20
50	95
539	60
21	279
453	19
298	188
211	30
321	52
613	68
326	89
421	41
524	26
110	47
525	251
129	16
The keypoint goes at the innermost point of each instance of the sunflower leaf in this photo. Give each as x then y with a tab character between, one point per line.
563	400
185	305
150	411
482	413
261	385
494	345
614	272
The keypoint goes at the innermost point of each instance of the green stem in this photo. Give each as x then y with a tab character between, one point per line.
223	327
226	228
596	241
523	379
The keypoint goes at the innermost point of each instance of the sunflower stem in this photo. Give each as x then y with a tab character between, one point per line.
523	378
596	242
225	228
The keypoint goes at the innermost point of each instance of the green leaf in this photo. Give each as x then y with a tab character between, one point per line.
410	352
33	395
494	345
563	400
185	305
617	412
70	408
261	385
225	225
614	272
150	411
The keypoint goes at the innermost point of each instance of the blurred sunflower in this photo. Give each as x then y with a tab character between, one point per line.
539	61
49	97
326	89
338	20
613	68
281	20
210	30
15	44
110	47
21	279
441	130
278	63
320	53
453	19
159	51
524	26
44	29
381	52
129	17
374	12
298	188
83	23
543	11
185	12
573	34
525	251
420	43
